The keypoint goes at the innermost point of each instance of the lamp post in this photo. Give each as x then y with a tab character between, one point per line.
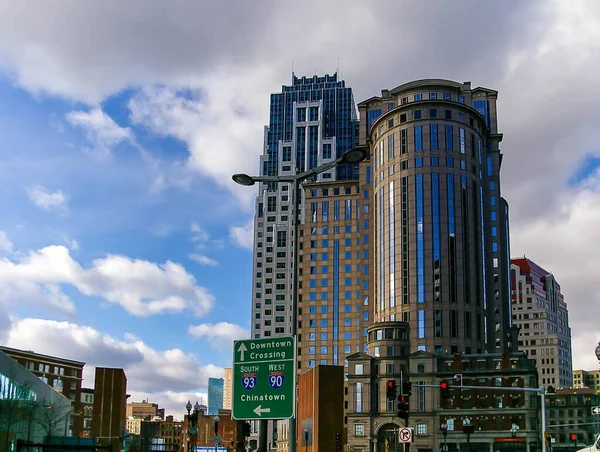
352	156
216	420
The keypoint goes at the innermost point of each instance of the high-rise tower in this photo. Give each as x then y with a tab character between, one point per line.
441	240
313	121
540	312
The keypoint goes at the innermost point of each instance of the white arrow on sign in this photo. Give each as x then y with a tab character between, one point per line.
259	410
596	410
242	348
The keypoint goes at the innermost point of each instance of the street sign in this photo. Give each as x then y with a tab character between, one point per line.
405	435
596	410
217	440
264	378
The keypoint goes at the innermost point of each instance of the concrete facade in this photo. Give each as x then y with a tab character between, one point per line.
227	389
540	313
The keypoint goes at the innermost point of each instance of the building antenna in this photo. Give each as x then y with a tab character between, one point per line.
292	72
338	66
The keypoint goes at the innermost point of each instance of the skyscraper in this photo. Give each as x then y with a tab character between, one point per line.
313	121
540	312
441	226
215	395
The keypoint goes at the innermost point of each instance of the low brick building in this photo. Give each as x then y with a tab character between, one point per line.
229	431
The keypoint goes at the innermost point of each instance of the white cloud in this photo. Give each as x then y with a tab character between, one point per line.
202	259
142	288
165	376
102	131
6	245
220	335
243	236
46	199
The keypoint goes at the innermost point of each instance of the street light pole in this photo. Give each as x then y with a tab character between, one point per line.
352	156
216	421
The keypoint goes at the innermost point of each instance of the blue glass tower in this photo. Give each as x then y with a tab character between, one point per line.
215	395
312	121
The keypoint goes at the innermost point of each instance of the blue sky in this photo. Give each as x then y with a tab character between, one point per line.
123	240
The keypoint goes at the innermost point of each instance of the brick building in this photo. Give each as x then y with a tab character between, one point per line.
87	411
63	375
110	399
230	431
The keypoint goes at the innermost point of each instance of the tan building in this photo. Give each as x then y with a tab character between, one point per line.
144	410
63	375
335	282
87	411
134	425
587	379
227	389
540	313
171	431
503	420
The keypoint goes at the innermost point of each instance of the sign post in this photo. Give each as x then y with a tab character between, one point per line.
264	378
596	410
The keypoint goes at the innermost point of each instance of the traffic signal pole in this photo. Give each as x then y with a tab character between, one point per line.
541	391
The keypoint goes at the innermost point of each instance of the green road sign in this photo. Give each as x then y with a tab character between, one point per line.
264	378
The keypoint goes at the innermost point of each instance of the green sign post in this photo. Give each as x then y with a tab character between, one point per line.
264	378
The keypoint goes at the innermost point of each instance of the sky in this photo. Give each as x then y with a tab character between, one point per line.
124	241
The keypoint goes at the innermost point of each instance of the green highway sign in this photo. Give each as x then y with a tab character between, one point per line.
264	378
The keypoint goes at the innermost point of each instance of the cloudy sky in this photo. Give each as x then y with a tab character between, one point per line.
123	241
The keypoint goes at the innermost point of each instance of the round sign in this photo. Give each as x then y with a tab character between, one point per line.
248	381
405	434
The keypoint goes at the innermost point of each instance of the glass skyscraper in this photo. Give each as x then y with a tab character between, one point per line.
215	395
312	121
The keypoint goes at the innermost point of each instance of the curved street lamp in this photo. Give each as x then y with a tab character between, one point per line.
351	156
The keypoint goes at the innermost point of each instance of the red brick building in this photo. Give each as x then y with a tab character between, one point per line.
229	431
110	400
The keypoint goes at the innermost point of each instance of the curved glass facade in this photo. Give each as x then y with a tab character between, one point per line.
436	164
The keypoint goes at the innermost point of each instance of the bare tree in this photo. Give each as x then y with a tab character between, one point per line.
51	418
16	402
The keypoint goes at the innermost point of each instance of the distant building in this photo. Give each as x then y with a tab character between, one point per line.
133	425
540	313
63	375
215	395
110	400
144	410
171	431
229	431
227	389
574	407
87	410
587	379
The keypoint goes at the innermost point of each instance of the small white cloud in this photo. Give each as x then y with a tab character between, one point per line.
219	335
101	131
202	238
243	236
5	244
131	337
204	260
46	199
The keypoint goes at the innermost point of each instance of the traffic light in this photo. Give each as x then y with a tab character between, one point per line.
403	407
246	429
444	390
338	440
391	389
407	388
573	436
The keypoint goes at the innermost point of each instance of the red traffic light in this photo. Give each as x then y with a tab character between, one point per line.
391	384
444	385
573	436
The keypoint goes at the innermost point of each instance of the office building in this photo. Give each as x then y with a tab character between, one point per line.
334	279
503	420
441	238
313	121
63	375
87	411
110	401
142	410
569	411
540	312
227	388
587	379
215	395
30	409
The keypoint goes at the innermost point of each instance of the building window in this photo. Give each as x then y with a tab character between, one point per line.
358	400
421	323
359	429
358	369
421	429
418	138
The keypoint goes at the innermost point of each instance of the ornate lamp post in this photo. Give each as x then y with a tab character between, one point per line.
444	428
216	420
